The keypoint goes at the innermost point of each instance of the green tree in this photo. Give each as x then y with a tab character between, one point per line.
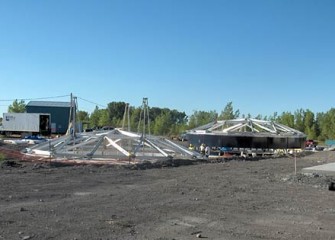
115	113
299	120
228	112
174	121
162	124
287	119
259	117
326	124
94	118
104	119
84	118
323	126
273	117
317	130
199	118
17	107
178	117
178	122
309	123
134	118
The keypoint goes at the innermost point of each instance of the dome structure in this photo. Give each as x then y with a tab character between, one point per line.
247	133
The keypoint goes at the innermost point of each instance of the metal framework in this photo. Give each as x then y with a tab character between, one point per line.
247	133
116	144
144	122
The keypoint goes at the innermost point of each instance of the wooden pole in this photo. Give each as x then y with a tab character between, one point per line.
295	162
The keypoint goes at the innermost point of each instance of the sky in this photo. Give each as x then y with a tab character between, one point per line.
264	56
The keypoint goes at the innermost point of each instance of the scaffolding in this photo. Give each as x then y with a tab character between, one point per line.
116	144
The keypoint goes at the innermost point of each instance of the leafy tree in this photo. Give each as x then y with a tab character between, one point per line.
322	122
179	122
274	117
317	127
174	121
327	125
199	118
228	112
83	116
94	118
164	121
104	119
259	117
134	118
17	107
154	112
309	123
162	124
299	120
287	119
115	113
178	117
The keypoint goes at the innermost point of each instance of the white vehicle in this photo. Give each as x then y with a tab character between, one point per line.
26	123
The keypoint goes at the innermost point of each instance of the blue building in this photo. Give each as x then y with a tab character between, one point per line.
59	111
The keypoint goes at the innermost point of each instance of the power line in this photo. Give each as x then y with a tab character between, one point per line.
97	104
43	98
31	99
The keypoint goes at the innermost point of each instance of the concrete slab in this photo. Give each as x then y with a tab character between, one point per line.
325	169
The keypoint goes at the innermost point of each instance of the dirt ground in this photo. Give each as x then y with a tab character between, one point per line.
259	199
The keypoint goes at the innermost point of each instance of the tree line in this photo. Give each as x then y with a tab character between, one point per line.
167	122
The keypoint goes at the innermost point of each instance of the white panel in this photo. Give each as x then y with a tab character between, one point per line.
25	122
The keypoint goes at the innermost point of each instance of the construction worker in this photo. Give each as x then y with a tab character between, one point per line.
207	151
202	149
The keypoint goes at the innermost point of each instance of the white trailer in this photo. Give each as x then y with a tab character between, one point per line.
26	123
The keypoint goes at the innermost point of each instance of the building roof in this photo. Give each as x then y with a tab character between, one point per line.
48	104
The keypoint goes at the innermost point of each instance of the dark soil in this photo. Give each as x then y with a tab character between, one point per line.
261	199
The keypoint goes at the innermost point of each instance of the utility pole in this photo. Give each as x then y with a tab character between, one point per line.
74	111
126	117
72	117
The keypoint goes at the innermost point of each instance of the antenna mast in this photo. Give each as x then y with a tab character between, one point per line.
144	118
